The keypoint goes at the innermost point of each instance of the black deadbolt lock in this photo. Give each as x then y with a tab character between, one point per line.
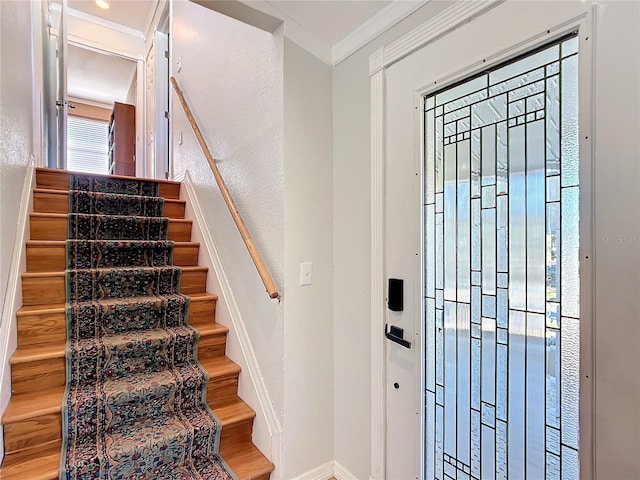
395	300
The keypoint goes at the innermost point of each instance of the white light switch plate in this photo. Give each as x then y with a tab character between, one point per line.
306	271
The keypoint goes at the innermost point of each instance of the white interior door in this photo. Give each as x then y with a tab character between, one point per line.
62	105
505	322
161	97
158	105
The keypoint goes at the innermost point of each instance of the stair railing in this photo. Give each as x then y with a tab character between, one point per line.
237	218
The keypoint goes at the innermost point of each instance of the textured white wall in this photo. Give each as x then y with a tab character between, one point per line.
308	173
16	122
617	244
16	144
231	75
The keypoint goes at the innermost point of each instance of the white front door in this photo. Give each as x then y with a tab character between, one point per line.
481	221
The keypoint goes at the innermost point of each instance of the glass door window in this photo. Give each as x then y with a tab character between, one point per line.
501	271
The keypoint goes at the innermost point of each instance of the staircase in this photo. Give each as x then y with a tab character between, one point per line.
32	421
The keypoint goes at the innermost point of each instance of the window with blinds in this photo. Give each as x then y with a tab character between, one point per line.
87	145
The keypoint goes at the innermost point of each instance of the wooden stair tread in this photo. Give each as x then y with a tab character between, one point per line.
61	273
211	329
35	309
121	177
39	309
57	201
26	466
54	191
62	243
54	226
203	297
34	353
55	179
220	366
249	463
64	215
51	255
33	404
237	411
45	351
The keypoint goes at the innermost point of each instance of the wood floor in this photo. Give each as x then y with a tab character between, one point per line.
32	421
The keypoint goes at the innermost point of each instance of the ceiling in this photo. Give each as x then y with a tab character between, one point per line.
135	14
328	20
98	77
320	26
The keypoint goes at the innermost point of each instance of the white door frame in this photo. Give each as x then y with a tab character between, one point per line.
440	25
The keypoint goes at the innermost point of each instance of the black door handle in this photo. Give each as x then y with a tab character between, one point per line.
396	334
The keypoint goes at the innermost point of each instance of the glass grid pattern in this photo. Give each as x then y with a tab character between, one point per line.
501	272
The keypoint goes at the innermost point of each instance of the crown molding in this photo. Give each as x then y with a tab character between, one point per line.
382	21
443	23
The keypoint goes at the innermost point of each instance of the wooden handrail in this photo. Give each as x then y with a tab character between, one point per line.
242	228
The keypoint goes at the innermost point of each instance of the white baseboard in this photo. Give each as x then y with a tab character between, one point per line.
13	294
267	427
341	473
327	471
323	472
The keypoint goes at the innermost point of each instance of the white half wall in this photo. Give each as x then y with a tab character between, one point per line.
231	75
17	105
16	123
308	175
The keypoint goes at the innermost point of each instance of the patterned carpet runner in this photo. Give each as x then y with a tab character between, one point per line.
134	405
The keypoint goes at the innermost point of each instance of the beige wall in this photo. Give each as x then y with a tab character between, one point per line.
308	176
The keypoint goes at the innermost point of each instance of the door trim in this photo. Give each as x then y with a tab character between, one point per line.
439	26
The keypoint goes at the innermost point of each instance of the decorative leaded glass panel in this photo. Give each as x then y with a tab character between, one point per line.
502	272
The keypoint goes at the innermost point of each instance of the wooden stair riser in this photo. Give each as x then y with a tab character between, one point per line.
38	375
32	433
37	328
59	180
201	311
41	374
47	289
233	437
36	432
223	391
51	257
49	326
41	429
211	346
48	201
54	227
50	448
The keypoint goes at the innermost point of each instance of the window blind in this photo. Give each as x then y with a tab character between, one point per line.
87	145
